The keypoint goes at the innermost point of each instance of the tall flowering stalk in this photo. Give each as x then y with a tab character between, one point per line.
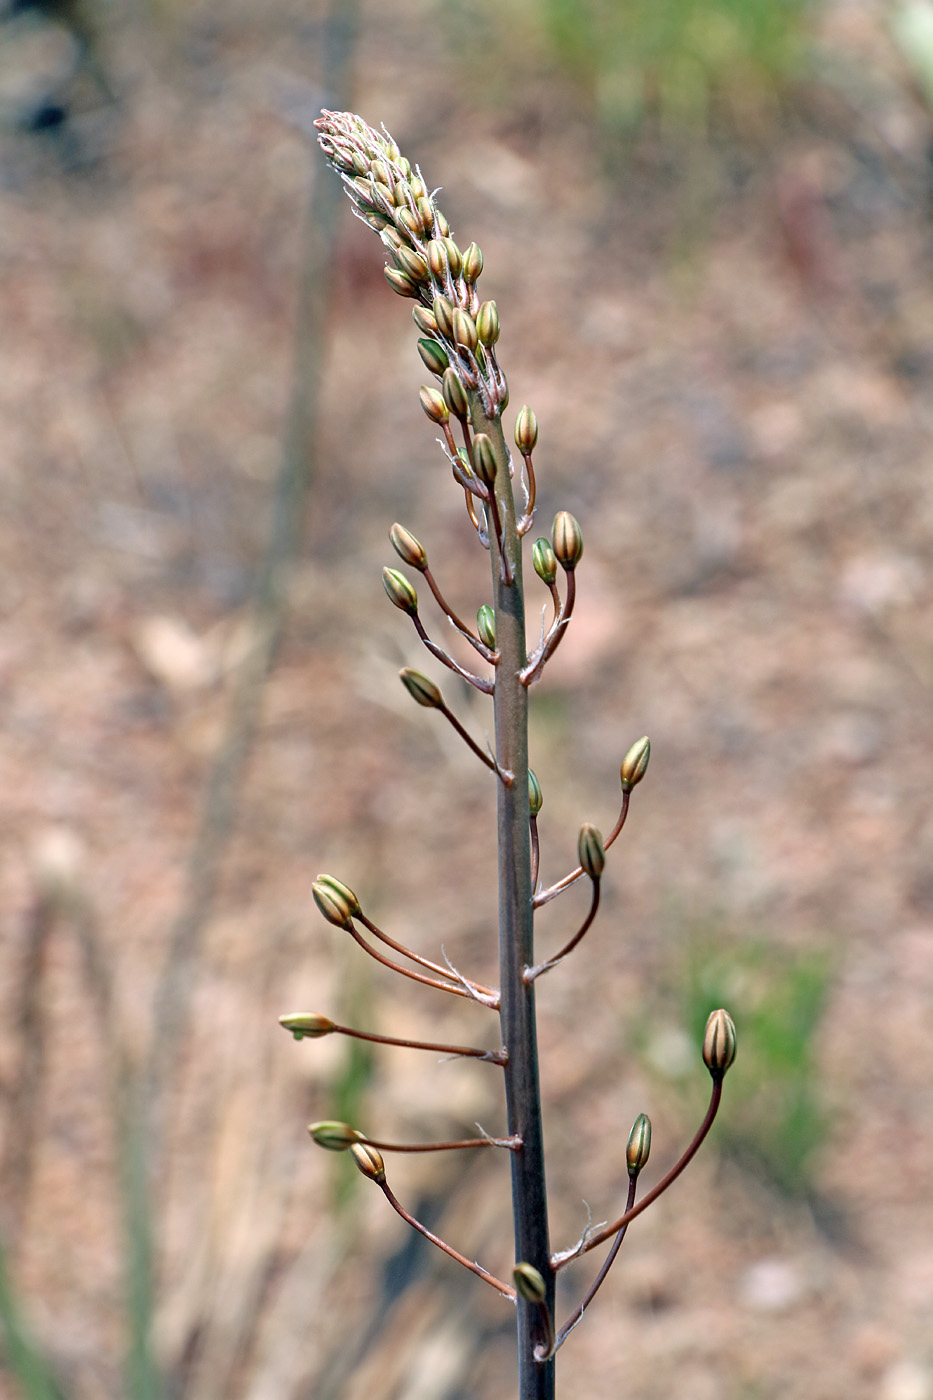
458	335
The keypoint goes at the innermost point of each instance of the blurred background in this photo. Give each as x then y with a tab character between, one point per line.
708	226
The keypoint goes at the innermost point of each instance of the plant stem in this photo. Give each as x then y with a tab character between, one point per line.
516	920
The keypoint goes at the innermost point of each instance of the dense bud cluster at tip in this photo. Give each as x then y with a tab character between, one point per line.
306	1024
369	1160
635	763
591	851
333	1135
639	1144
529	1283
426	263
719	1043
535	795
421	688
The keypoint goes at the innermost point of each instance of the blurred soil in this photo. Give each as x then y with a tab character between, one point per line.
729	347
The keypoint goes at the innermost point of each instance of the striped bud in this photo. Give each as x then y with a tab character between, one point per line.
344	892
382	194
486	626
526	431
360	163
399	283
455	395
567	539
545	561
408	549
487	323
401	194
393	239
484	459
379	171
420	688
436	255
443	227
334	1135
454	256
433	404
306	1024
369	1160
425	212
332	904
424	320
639	1144
418	187
529	1283
444	316
535	795
408	222
635	763
433	356
464	329
472	263
399	591
591	851
719	1043
412	264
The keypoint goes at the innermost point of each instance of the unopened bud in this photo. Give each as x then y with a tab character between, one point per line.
426	211
567	539
334	1135
436	254
719	1043
333	906
486	626
635	763
418	187
454	256
639	1144
455	395
526	431
529	1283
344	892
487	323
379	171
408	549
433	356
444	316
464	329
545	561
591	851
369	1160
421	688
443	227
424	320
433	404
412	264
484	459
399	591
400	283
306	1024
408	222
472	262
535	795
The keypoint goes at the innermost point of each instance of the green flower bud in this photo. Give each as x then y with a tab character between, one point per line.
433	404
719	1043
412	264
464	329
454	256
405	166
393	238
369	1160
433	356
635	763
306	1023
526	431
418	187
420	688
333	906
443	227
436	254
382	194
399	282
545	561
639	1144
567	539
487	323
426	212
444	316
379	171
343	892
472	263
360	163
591	851
424	320
529	1283
535	795
408	549
401	194
486	626
408	222
484	459
455	395
334	1135
399	591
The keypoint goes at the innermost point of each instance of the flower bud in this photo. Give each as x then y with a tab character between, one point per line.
408	549
444	316
526	431
306	1024
343	892
399	591
418	187
454	256
407	221
433	356
635	763
472	263
567	539
369	1160
401	194
591	851
484	459
464	329
443	227
486	626
379	171
382	194
455	395
535	795
487	323
426	212
400	283
433	404
412	264
333	906
334	1135
424	320
719	1043
529	1283
639	1144
436	254
545	561
420	688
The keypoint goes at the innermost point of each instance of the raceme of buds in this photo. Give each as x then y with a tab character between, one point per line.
535	795
719	1043
399	591
455	396
529	1283
567	539
335	1136
369	1160
635	763
343	892
639	1144
408	549
433	356
486	625
420	688
308	1024
433	404
484	459
333	906
591	851
487	323
545	561
526	431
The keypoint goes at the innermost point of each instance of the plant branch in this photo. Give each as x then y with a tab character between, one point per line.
505	1289
495	1057
531	973
414	976
461	626
426	963
448	661
597	1283
545	896
510	1142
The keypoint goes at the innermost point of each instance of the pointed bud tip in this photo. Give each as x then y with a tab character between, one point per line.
421	688
304	1024
719	1043
567	540
635	763
639	1144
369	1160
591	851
